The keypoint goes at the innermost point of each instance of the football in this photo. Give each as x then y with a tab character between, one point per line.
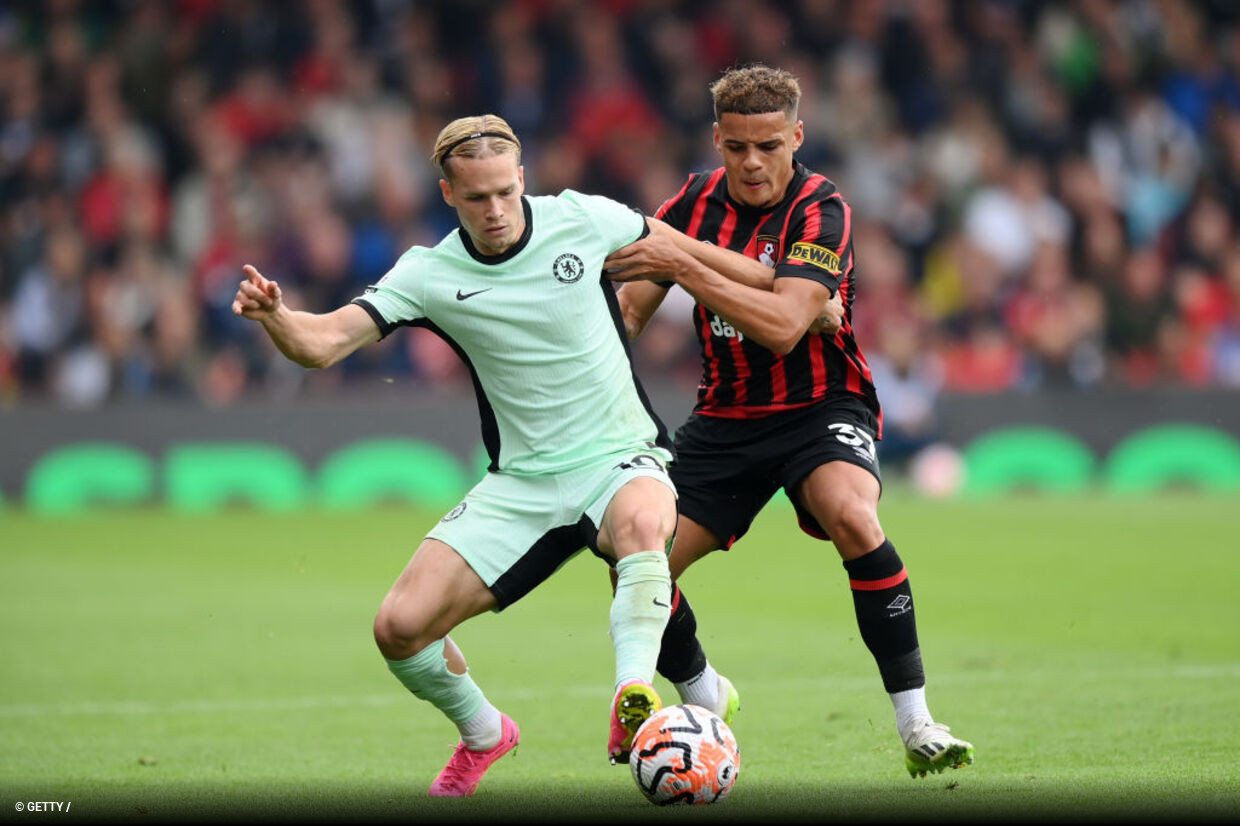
685	754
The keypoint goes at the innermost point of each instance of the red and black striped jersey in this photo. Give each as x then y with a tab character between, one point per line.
807	235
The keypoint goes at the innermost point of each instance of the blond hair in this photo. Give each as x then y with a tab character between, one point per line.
756	90
479	136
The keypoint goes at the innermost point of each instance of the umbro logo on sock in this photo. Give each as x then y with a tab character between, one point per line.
900	605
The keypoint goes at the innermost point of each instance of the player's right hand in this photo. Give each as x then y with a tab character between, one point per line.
831	318
257	296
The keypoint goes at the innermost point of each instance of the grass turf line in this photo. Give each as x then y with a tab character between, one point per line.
215	666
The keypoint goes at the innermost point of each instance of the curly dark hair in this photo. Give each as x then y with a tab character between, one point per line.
756	90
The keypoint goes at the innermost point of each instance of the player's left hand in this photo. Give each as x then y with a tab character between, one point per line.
831	318
654	258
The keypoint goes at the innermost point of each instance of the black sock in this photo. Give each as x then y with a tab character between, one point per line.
883	601
681	655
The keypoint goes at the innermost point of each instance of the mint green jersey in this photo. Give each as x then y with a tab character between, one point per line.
540	329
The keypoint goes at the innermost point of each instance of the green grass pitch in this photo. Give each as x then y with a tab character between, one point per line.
222	666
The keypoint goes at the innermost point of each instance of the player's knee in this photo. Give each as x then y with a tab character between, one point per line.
388	634
645	528
397	634
852	516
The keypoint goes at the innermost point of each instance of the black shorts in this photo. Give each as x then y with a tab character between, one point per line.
726	470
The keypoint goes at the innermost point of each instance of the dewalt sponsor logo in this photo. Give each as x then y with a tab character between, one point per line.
818	256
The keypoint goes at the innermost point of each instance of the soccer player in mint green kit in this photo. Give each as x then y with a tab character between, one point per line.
577	456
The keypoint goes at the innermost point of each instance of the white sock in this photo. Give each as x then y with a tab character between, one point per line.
702	689
910	707
483	730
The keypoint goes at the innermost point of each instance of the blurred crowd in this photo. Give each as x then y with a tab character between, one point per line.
1045	194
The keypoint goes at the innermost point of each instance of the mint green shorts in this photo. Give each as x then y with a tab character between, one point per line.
515	531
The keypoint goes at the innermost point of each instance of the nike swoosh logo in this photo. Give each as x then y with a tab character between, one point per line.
660	604
460	296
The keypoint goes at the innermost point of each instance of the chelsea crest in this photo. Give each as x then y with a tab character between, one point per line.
568	268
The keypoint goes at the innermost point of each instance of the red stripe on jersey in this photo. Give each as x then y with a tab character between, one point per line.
878	584
728	227
858	357
813	219
779	386
711	379
740	363
779	379
750	410
852	374
844	236
853	380
778	372
699	208
818	365
751	246
811	184
864	369
807	189
857	368
817	359
668	203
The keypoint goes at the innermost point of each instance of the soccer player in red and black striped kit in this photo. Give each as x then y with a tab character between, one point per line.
762	243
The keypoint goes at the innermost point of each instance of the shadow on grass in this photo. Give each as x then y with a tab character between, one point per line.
934	800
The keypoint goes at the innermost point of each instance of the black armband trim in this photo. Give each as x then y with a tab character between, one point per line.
385	328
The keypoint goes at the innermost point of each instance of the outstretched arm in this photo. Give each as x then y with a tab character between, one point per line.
310	339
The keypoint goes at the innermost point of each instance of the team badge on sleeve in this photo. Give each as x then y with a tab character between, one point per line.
816	256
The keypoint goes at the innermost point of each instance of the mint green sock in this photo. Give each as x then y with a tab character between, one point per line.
639	613
426	674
